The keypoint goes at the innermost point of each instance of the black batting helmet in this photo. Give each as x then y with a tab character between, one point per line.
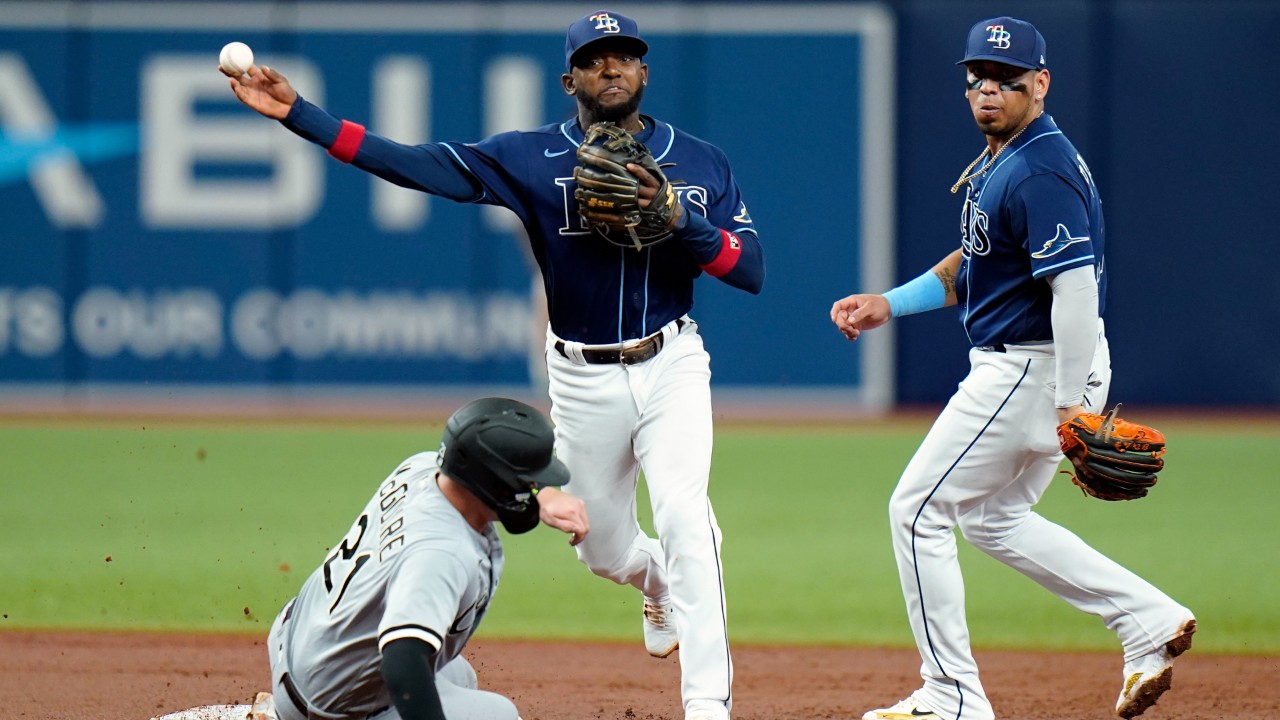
502	450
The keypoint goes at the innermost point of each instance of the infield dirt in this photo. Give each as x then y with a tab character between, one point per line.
123	676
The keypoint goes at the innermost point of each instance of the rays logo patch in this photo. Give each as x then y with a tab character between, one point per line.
999	37
606	24
742	215
1058	243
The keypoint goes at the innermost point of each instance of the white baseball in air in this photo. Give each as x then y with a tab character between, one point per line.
235	58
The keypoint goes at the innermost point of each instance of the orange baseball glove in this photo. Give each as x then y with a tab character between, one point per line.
1114	459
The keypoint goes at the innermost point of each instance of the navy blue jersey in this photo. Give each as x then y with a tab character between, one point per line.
1036	213
597	292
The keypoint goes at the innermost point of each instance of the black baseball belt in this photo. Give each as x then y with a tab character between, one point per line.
303	709
631	352
294	697
1001	347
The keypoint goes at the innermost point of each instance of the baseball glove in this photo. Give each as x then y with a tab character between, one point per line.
608	194
1114	459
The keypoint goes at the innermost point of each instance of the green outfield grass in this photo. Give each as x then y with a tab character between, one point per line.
165	525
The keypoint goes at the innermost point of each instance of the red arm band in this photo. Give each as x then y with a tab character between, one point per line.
723	262
348	142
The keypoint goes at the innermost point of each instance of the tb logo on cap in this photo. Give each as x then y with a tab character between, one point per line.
999	37
606	24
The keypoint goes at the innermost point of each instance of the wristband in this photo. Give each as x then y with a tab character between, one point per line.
730	250
924	293
348	141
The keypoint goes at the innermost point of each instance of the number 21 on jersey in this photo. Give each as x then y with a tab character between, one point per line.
344	562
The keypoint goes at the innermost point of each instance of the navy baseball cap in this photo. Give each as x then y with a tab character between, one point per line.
1005	40
602	25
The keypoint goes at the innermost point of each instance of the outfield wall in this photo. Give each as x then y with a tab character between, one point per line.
164	234
160	239
1169	103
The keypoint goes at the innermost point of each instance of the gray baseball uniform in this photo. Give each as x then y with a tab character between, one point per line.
409	567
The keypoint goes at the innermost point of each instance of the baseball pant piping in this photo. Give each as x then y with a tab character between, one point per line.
967	670
996	468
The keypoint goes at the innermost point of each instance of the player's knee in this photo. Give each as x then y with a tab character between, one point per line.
903	509
688	533
606	566
459	672
986	532
976	535
685	526
604	570
915	514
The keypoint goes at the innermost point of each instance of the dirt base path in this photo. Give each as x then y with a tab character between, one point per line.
120	676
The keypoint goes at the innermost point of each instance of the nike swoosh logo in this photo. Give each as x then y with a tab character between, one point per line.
548	152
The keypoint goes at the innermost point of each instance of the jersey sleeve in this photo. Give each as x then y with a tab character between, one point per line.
724	243
423	597
499	165
432	168
1051	214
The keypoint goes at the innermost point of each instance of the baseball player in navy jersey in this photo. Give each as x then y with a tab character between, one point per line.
1030	279
379	628
629	378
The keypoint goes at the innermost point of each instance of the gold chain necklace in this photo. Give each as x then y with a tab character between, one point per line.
966	177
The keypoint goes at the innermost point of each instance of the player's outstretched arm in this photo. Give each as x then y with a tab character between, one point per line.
430	168
563	512
265	90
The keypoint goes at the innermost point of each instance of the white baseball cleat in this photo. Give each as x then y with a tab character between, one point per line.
1150	676
660	637
909	708
263	708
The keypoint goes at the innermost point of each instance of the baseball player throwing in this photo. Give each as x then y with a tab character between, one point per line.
378	629
629	378
1030	281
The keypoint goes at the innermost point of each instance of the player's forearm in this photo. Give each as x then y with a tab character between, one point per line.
946	271
430	168
406	669
933	289
1075	332
735	258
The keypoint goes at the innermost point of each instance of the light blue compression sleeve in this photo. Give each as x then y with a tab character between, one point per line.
924	293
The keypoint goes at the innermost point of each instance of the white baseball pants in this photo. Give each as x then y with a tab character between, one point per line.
986	461
614	420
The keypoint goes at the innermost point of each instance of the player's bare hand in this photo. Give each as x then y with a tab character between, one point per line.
564	512
648	183
648	190
856	313
264	90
